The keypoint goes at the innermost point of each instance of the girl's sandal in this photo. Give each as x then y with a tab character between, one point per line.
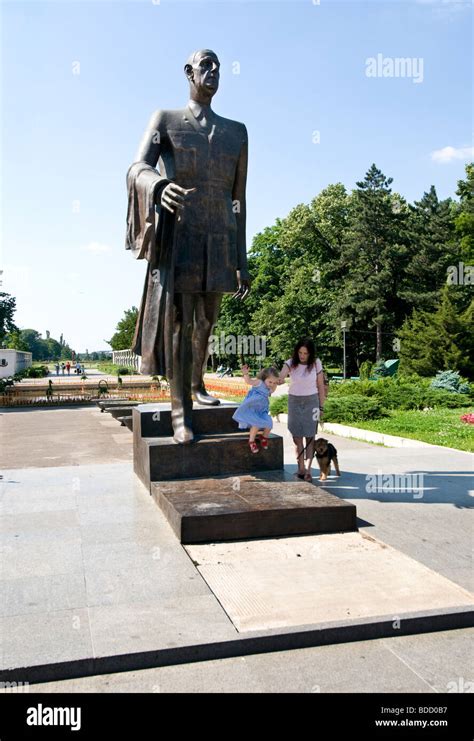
264	442
253	446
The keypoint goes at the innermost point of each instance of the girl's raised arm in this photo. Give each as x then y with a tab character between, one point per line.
247	379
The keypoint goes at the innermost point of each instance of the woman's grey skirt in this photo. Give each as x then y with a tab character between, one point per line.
303	415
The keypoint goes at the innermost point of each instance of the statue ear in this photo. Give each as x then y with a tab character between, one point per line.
188	71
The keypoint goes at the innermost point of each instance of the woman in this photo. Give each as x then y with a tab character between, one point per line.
306	398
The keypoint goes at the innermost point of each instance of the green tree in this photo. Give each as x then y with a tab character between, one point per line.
433	249
34	343
373	259
366	257
431	342
292	278
123	336
15	341
53	349
464	220
301	310
7	310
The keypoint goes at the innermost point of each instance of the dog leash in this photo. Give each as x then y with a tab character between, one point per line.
305	448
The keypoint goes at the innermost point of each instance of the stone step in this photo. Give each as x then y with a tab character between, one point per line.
154	420
161	459
126	421
119	411
102	403
250	506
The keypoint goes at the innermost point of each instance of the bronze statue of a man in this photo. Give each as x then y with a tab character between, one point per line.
187	219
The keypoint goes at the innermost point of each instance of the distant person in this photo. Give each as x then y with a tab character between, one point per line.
56	365
306	397
63	368
68	368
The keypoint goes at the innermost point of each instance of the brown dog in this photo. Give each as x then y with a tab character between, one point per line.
326	454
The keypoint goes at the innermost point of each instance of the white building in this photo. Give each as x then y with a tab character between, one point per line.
12	361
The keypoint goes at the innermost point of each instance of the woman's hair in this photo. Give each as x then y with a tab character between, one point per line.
267	372
308	343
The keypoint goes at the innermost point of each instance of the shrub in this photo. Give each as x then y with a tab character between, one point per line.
347	388
403	393
450	381
6	384
34	371
353	408
279	405
365	370
123	371
442	398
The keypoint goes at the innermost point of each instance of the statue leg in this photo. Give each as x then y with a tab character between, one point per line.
180	384
205	316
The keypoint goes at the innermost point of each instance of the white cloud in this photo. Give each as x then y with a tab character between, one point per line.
448	154
446	9
97	247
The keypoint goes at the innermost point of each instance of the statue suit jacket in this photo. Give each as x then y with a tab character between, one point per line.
204	249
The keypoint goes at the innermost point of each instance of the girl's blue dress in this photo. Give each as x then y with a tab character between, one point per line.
253	412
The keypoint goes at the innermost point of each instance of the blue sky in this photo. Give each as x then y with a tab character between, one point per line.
80	80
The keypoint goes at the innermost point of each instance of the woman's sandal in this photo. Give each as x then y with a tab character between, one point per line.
307	477
300	476
253	446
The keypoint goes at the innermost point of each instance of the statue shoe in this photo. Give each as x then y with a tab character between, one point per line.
182	433
202	397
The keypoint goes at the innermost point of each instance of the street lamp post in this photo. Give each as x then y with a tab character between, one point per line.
343	327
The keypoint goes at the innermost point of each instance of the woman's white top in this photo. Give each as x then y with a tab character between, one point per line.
302	382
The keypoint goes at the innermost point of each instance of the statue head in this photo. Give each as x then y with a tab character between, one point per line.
202	71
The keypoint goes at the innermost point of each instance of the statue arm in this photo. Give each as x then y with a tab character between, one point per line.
149	152
167	194
145	186
239	204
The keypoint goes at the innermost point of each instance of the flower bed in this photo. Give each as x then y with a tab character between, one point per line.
232	389
19	398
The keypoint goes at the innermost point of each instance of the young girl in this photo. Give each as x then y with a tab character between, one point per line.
253	412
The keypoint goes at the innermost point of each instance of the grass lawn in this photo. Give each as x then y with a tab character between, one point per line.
102	365
439	427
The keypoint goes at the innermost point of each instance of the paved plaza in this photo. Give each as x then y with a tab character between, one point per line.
97	594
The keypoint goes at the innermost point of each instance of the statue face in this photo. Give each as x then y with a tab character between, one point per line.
205	73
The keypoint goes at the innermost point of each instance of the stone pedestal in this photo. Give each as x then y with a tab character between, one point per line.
219	447
216	489
260	506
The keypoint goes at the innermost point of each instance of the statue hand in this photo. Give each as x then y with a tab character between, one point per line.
174	197
243	290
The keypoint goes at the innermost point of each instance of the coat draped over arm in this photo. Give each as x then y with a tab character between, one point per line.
152	238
